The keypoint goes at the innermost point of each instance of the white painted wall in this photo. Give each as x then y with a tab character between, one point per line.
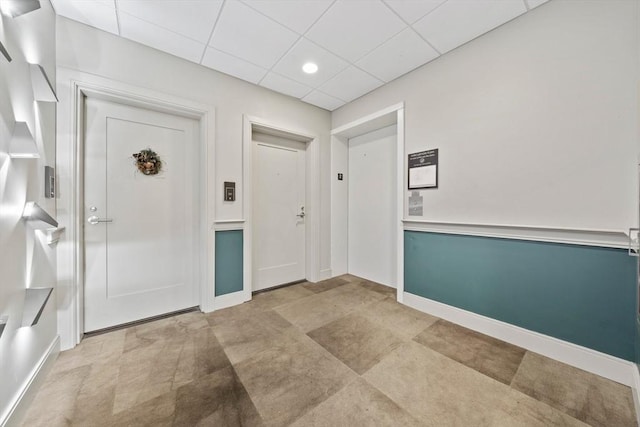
25	258
92	51
372	209
536	121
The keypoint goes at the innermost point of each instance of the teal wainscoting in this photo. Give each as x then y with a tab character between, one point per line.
228	262
581	294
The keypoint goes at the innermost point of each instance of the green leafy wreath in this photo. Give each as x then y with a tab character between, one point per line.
148	162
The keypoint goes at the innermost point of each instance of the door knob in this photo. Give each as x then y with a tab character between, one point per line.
301	214
93	220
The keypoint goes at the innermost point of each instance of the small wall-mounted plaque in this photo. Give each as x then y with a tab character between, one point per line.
423	169
229	191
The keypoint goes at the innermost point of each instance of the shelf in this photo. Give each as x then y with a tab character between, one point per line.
37	217
34	302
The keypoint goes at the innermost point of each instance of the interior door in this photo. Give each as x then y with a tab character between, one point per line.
372	206
278	211
140	230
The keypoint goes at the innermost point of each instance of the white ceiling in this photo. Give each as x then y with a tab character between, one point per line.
358	45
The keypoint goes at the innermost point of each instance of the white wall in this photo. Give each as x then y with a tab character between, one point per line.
371	178
536	121
96	52
25	258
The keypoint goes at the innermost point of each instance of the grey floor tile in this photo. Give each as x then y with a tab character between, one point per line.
492	357
585	396
356	341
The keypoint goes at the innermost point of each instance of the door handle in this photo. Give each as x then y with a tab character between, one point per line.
301	214
93	220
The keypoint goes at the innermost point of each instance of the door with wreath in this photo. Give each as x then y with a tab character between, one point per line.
141	216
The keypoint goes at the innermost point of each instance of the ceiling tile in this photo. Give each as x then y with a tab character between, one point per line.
412	10
297	15
247	34
350	84
191	18
459	21
100	14
323	100
284	85
304	51
160	38
401	54
236	67
535	3
353	28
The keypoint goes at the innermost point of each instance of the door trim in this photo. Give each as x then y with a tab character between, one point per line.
73	88
340	136
312	202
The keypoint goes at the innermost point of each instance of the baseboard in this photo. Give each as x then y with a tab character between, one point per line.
613	368
23	399
229	300
636	392
325	274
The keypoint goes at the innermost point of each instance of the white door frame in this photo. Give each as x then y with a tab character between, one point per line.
339	193
73	88
312	195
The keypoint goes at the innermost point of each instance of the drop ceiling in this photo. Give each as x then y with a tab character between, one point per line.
358	45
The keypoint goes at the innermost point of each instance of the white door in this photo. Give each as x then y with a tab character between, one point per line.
278	211
372	206
143	262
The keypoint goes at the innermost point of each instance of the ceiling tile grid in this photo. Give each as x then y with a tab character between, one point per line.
358	45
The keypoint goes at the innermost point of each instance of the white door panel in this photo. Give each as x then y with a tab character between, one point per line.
144	263
279	197
372	207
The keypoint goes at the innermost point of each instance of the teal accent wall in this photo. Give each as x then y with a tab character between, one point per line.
581	294
228	262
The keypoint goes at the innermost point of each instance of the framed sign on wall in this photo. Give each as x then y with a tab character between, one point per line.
423	169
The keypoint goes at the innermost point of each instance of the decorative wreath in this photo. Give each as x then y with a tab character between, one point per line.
148	162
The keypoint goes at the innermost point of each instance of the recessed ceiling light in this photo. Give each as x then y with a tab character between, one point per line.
310	68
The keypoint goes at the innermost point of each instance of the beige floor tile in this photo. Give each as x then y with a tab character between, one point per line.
434	388
326	285
56	399
218	399
358	404
520	410
314	311
585	396
492	357
317	310
356	341
291	378
400	319
276	297
177	371
387	291
242	339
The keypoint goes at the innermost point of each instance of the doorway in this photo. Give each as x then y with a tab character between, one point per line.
372	210
367	198
279	199
280	144
140	229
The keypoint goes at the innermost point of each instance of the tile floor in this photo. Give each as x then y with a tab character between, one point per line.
336	353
